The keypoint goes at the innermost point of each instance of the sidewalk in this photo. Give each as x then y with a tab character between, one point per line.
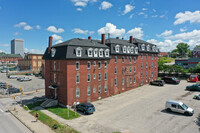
30	121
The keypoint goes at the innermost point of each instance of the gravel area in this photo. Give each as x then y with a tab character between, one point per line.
141	110
35	83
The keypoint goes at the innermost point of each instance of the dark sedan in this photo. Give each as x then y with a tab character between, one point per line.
195	87
86	108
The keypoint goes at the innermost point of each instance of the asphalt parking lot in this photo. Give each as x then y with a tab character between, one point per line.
142	110
35	83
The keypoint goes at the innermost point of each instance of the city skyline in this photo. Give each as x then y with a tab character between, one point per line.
158	22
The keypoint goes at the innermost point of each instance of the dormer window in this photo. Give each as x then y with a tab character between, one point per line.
78	51
107	53
143	47
95	52
101	53
90	51
156	49
117	48
132	50
124	49
53	52
153	48
148	47
136	50
128	49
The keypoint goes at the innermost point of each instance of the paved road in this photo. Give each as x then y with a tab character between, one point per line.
9	124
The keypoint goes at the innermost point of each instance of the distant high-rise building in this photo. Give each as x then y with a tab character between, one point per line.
17	47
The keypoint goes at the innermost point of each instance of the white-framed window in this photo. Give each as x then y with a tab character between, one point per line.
77	65
99	64
88	65
152	56
147	56
54	65
94	76
77	92
107	53
132	50
88	91
115	81
124	49
153	48
130	59
142	56
117	48
134	79
99	76
99	89
155	57
130	69
106	88
134	69
156	49
141	65
127	80
155	73
148	47
101	52
105	76
136	50
155	64
105	64
128	49
147	65
94	89
141	74
90	52
123	69
152	65
115	59
122	80
127	58
143	47
53	52
94	63
89	78
115	70
131	80
77	78
78	52
135	59
152	74
54	77
95	52
123	59
146	75
127	69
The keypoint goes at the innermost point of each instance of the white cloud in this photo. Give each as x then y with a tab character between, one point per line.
82	3
154	16
33	51
4	45
162	16
144	9
54	29
59	41
192	17
154	10
131	16
141	13
183	29
165	33
80	31
28	27
148	2
128	8
38	27
79	9
112	29
16	33
21	24
105	5
56	37
136	32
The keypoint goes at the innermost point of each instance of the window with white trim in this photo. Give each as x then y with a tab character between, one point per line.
107	53
131	80
152	65
105	64
94	63
152	56
127	69
142	56
54	65
153	48
127	80
134	69
124	49
134	79
141	65
141	74
95	52
130	59
148	47
123	59
155	73
77	92
115	70
147	56
130	69
147	65
128	49
122	80
146	75
115	59
123	70
99	89
94	76
101	52
117	48
152	74
115	81
105	76
99	64
54	78
88	91
99	76
89	78
53	52
155	64
77	65
94	89
77	78
143	47
88	65
106	88
132	50
136	50
135	59
78	52
90	51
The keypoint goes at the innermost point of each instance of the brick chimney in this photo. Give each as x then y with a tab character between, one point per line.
131	39
117	37
89	38
50	43
103	40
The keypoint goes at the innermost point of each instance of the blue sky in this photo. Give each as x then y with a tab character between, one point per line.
162	22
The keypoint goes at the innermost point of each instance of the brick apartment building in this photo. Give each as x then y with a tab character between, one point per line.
10	58
32	62
84	70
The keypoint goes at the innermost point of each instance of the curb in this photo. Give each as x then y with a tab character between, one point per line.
22	122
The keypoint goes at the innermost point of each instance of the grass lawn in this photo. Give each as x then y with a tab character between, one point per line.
53	124
62	112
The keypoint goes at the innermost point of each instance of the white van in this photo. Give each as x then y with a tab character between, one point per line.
179	107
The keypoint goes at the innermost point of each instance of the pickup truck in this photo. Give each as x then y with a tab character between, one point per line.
25	79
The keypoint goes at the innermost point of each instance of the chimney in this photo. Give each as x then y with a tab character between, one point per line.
50	43
89	38
117	37
103	40
131	39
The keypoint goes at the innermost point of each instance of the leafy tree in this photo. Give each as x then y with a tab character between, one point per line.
182	49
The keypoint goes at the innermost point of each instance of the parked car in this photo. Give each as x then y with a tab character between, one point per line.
3	71
25	79
194	78
28	74
12	90
194	87
12	76
179	107
18	78
86	108
171	80
157	82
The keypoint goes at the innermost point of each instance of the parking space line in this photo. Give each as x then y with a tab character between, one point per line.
1	110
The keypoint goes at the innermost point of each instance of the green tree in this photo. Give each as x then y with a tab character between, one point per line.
197	46
182	49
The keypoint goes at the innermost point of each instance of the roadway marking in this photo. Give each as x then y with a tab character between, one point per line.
1	110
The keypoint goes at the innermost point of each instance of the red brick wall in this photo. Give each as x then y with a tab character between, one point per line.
10	59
